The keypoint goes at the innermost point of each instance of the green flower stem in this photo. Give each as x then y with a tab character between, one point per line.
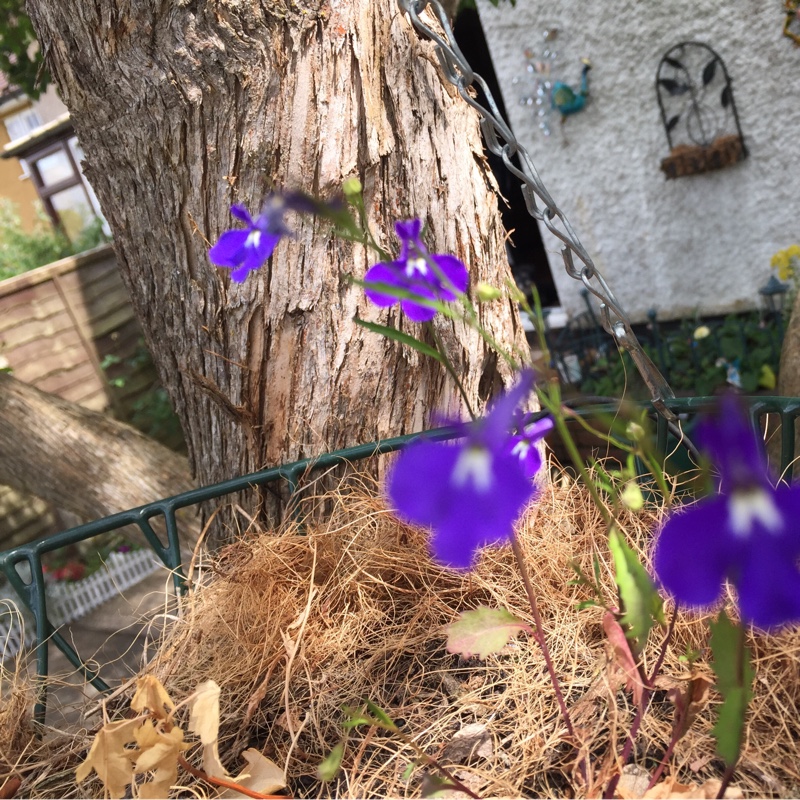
368	239
740	660
657	472
553	405
450	368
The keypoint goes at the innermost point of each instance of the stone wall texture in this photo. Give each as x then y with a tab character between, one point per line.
700	243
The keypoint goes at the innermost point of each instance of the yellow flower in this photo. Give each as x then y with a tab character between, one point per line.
702	332
782	262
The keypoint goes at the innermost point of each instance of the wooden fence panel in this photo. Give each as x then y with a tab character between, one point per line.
57	323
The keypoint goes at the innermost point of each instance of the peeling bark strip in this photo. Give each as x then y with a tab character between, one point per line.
186	106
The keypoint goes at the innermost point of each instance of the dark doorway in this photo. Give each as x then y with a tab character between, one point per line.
526	253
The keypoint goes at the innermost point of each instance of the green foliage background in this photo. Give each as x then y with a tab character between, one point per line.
21	251
21	57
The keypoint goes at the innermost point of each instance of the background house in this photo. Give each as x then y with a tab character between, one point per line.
40	160
697	242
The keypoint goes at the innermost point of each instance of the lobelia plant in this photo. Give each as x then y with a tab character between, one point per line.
471	492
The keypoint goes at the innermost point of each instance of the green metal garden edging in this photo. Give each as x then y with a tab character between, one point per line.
33	595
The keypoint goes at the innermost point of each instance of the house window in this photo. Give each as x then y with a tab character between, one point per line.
66	195
21	124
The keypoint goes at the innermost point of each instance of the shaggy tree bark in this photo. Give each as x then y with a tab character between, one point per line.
185	107
789	371
80	460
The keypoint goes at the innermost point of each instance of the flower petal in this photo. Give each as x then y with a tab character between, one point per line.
229	250
478	518
257	256
456	274
382	273
695	551
417	312
733	447
769	580
240	274
408	230
769	586
466	508
240	212
495	428
414	483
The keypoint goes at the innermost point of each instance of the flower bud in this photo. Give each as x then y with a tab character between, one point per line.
486	293
352	187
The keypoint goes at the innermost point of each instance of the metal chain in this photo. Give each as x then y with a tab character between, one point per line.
501	141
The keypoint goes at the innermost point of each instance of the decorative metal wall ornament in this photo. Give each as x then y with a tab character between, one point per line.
541	64
698	111
546	92
791	27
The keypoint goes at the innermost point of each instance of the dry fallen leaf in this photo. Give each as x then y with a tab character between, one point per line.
109	757
706	791
152	696
204	712
623	657
469	743
260	775
158	751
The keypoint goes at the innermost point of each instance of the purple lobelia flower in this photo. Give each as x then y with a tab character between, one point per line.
748	533
523	445
247	249
470	492
413	272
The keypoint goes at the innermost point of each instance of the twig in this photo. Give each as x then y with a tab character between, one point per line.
540	637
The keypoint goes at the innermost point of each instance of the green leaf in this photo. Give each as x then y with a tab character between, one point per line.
21	58
735	676
329	767
356	717
482	631
399	336
641	602
383	718
435	786
408	771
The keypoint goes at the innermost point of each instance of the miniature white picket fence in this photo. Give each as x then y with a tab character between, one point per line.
67	602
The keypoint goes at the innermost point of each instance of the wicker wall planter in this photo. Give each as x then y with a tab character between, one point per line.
694	159
695	95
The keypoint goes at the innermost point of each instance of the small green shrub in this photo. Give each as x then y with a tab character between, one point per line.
21	251
740	350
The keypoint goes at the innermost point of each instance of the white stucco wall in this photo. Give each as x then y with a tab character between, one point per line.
695	243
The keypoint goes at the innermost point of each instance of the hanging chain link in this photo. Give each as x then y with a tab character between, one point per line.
501	141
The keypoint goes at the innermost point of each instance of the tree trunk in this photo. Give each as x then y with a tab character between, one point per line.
79	460
789	378
185	107
789	370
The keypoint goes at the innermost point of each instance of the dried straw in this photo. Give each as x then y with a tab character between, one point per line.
295	624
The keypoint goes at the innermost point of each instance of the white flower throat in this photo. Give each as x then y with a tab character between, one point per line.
521	448
416	266
474	466
748	506
253	239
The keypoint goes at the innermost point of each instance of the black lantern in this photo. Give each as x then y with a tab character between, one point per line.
773	298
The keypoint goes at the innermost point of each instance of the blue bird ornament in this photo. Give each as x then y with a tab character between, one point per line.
565	99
